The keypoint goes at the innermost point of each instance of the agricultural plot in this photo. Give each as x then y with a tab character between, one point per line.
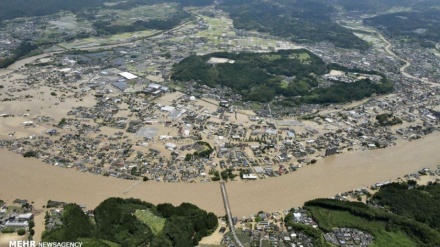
107	40
142	13
366	33
153	221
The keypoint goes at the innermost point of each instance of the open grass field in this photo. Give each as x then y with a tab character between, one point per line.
154	222
94	242
146	12
107	40
327	219
221	31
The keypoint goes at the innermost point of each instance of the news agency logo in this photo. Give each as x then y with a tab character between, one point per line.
43	244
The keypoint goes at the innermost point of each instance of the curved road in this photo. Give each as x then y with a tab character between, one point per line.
388	49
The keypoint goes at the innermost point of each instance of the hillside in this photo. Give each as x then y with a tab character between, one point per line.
302	21
378	6
413	221
132	222
22	8
416	26
260	77
421	203
27	8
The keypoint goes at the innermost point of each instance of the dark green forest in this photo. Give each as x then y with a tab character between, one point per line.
260	77
407	218
421	203
421	26
374	6
22	8
302	21
24	49
114	222
106	27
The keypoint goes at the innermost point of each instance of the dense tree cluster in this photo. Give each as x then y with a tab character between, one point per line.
115	222
106	27
21	8
418	26
129	4
257	77
387	119
302	21
30	153
418	231
260	77
22	50
186	224
341	92
75	225
373	5
421	203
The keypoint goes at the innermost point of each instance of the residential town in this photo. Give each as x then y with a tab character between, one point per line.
131	123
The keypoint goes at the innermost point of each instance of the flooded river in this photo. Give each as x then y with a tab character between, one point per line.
39	182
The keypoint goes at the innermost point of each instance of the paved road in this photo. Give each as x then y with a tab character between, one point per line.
402	69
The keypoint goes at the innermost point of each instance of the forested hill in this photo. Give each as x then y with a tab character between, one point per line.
22	8
262	76
417	26
421	203
300	20
133	223
375	6
405	215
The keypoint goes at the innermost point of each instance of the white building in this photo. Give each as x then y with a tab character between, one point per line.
127	75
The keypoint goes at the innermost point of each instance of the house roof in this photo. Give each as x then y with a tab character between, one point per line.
128	75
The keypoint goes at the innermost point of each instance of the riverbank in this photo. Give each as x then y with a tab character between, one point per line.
33	180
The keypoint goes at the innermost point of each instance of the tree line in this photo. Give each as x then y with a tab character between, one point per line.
418	231
290	73
114	221
21	51
417	26
302	21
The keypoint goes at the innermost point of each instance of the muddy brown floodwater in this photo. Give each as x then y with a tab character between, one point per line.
33	180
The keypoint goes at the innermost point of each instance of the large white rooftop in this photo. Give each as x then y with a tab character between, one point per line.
127	75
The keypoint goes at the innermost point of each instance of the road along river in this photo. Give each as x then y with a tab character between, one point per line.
388	49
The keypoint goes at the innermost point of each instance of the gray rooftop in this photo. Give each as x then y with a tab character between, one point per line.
147	132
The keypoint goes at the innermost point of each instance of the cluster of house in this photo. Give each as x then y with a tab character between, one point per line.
16	217
424	62
137	127
270	228
172	122
348	237
18	220
7	44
